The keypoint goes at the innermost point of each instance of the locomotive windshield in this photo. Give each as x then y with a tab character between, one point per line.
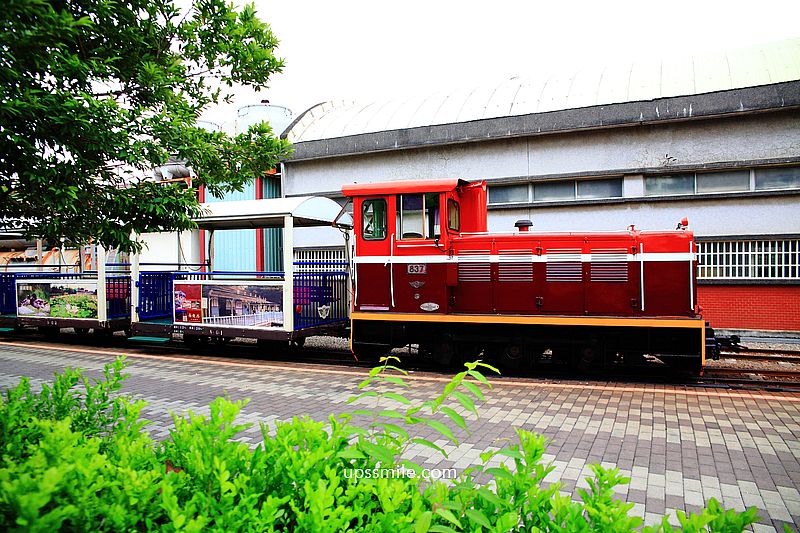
418	217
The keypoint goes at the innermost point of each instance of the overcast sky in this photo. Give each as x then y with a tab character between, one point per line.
372	50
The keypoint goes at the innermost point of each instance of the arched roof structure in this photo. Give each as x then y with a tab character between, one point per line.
614	83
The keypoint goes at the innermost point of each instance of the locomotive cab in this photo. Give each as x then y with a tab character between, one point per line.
405	234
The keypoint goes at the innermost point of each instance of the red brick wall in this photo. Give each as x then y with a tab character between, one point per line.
771	307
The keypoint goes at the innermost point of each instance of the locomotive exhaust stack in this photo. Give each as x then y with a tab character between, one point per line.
523	225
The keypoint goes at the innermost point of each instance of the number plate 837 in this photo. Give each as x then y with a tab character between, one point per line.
417	268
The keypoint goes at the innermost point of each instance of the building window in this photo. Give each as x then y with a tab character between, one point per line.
778	178
610	188
728	181
668	185
507	194
757	260
553	190
373	219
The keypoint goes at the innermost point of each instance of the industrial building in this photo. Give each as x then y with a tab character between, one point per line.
715	138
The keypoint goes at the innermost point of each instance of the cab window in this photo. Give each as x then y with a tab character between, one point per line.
453	215
418	216
373	219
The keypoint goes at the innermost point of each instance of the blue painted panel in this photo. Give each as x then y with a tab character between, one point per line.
248	193
235	249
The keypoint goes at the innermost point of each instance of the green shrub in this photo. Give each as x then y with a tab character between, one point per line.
74	457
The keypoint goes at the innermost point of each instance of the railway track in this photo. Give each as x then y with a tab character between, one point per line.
771	356
786	379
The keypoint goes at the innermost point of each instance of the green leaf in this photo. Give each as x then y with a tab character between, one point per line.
441	428
381	453
392	428
490	367
465	401
391	413
499	472
478	517
350	453
397	397
439	528
362	395
396	369
423	522
480	377
455	417
491	497
508	521
449	516
474	390
395	380
509	452
429	444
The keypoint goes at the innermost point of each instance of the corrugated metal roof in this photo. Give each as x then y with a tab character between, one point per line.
615	82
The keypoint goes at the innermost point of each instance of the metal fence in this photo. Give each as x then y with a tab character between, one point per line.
756	260
118	296
118	290
266	318
320	298
328	259
155	295
8	293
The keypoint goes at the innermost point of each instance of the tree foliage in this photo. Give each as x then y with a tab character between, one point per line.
95	93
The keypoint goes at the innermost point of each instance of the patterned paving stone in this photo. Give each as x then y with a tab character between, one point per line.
680	446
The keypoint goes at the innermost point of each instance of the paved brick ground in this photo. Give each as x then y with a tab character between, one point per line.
680	446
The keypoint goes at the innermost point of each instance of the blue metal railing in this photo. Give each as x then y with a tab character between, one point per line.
226	273
8	293
320	298
155	295
118	296
118	290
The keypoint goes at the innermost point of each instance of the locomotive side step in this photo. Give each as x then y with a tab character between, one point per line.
152	340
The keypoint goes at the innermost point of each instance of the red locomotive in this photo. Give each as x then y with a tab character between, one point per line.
427	272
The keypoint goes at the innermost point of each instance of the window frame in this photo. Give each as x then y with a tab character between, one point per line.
453	202
424	217
385	218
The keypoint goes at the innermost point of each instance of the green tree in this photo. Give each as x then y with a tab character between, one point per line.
95	93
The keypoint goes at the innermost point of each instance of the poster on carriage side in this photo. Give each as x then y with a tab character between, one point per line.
222	304
57	299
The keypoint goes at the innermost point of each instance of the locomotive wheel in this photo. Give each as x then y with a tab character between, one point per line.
513	357
589	358
82	332
443	352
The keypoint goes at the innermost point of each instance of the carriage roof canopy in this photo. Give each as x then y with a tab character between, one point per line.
306	211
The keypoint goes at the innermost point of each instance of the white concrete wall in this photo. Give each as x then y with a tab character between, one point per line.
744	216
628	150
753	138
164	248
